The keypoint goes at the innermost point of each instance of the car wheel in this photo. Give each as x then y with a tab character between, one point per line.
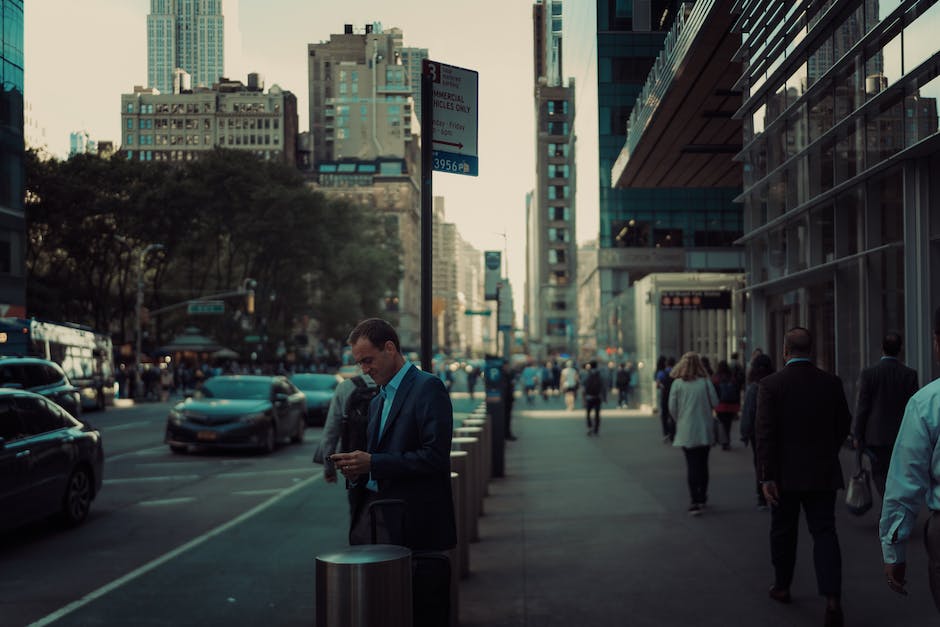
77	499
298	437
179	449
269	440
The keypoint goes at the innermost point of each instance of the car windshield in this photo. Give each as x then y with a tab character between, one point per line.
240	389
315	382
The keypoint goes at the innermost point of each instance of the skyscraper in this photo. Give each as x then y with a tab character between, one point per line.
360	97
185	34
12	216
551	262
652	227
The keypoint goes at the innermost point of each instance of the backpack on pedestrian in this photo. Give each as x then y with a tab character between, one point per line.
593	386
355	422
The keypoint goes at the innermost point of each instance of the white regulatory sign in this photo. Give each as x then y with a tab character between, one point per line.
454	132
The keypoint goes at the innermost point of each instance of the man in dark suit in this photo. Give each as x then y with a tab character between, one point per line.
883	392
802	420
410	432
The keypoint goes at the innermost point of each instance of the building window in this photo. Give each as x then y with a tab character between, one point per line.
556	214
558	235
557	128
556	255
129	140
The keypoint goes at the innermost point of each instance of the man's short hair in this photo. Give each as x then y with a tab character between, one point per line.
377	331
891	344
798	341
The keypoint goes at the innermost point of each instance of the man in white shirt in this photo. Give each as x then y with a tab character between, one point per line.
914	473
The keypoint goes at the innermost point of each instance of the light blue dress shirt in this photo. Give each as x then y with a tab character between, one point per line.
388	392
914	472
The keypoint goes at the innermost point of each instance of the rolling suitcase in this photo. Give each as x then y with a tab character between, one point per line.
430	583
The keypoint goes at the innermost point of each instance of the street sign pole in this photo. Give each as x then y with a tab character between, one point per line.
427	155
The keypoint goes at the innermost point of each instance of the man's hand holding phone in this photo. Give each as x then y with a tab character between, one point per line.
352	464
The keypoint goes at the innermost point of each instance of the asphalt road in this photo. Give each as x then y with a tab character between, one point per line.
197	539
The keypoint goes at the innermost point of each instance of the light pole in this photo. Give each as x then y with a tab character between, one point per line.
140	303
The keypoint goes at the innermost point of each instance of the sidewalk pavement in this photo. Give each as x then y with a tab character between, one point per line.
593	531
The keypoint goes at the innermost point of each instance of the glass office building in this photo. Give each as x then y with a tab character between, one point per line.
651	228
12	219
841	162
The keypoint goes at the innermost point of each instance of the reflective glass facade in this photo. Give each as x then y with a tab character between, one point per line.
637	224
841	166
12	222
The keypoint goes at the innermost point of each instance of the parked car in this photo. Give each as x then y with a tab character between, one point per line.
43	377
238	411
50	462
319	390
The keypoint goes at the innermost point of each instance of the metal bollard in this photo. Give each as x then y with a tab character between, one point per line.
481	474
363	586
487	445
454	555
474	460
462	510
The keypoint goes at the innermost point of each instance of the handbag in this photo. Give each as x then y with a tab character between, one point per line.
858	495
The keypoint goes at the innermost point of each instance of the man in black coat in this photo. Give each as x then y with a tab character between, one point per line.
802	420
883	392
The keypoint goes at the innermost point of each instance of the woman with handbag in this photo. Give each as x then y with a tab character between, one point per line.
692	398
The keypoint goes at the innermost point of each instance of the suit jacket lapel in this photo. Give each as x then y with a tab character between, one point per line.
403	390
375	419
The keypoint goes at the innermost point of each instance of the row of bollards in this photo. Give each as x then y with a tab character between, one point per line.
369	585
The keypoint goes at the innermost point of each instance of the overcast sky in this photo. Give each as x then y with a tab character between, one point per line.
81	56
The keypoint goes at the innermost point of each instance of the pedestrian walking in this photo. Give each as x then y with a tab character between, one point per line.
663	386
530	381
729	402
570	380
761	366
883	392
408	456
593	395
623	386
802	420
914	472
692	398
346	430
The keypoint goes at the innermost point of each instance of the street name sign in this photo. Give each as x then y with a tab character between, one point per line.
454	129
206	307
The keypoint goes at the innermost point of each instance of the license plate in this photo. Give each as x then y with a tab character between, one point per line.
207	435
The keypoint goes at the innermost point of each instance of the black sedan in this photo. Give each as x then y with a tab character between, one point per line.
318	390
238	411
50	462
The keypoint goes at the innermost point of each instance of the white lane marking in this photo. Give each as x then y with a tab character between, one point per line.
126	425
257	492
150	479
259	473
166	557
176	501
140	453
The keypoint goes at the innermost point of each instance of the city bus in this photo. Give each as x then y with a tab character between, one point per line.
85	355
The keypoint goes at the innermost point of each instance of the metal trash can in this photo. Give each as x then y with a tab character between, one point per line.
364	586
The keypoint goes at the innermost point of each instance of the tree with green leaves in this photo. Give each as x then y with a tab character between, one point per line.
221	219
